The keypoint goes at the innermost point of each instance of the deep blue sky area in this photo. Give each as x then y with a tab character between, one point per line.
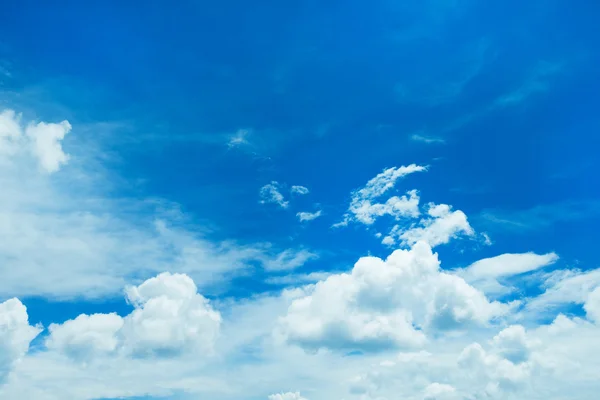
332	92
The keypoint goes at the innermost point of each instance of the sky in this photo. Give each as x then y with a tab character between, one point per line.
310	200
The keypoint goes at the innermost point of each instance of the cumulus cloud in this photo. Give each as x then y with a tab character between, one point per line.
363	206
385	304
506	368
86	336
308	216
42	140
439	391
270	193
15	335
45	139
592	306
442	225
169	318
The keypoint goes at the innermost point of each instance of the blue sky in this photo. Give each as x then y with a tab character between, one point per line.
186	121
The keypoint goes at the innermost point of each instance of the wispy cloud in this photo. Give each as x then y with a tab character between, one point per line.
541	216
364	207
308	216
270	193
300	190
238	139
418	137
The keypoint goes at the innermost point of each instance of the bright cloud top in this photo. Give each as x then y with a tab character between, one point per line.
386	304
169	317
42	140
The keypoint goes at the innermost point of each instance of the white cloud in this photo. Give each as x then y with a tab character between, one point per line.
443	225
86	336
308	216
301	190
238	139
484	274
169	317
288	260
417	137
42	140
363	207
270	193
15	335
385	304
287	396
439	391
563	287
592	306
298	279
398	207
46	146
10	132
65	236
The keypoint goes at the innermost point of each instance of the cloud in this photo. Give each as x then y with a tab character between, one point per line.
301	190
308	216
287	396
442	225
270	193
484	274
592	306
439	391
65	235
169	317
541	216
238	139
289	260
385	304
42	140
363	208
417	137
46	140
562	288
15	335
298	279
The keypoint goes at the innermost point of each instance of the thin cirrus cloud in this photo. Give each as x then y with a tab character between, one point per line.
62	236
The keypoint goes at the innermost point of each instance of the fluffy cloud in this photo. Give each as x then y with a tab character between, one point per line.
308	216
169	317
592	306
442	225
439	391
270	193
42	140
363	206
506	368
385	304
15	335
45	139
86	336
